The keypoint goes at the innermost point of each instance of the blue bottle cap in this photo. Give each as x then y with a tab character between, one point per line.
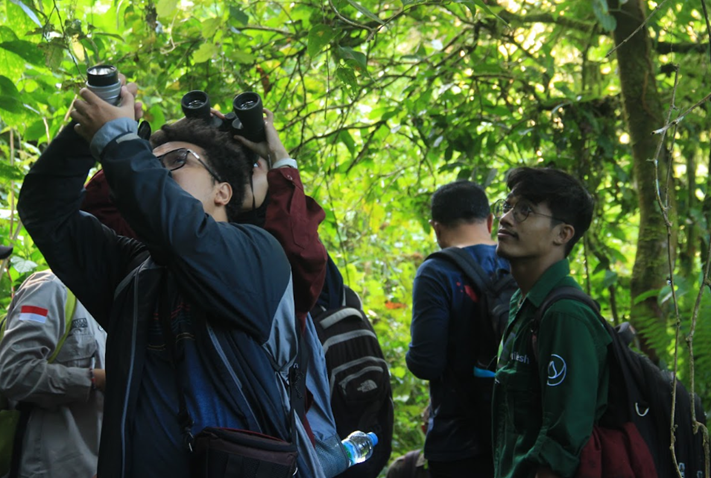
373	438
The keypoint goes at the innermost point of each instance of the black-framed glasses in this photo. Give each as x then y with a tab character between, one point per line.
521	210
177	158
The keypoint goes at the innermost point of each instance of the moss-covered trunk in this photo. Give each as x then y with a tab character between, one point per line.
644	114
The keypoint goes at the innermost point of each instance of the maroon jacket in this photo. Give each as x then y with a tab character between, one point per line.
293	219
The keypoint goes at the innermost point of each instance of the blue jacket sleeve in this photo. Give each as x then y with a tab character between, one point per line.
87	257
427	355
238	274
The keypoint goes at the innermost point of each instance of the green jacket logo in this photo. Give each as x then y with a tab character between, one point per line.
557	369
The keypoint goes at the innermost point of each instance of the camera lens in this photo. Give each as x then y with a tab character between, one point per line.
103	81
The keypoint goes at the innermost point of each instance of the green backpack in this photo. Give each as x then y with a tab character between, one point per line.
9	418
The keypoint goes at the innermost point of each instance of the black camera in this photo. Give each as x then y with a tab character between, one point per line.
103	81
246	118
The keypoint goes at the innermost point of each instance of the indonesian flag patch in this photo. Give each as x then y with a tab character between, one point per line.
33	314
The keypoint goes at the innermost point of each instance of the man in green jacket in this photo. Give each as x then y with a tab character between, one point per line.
546	401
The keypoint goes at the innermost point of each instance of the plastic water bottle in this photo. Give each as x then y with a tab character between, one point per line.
359	446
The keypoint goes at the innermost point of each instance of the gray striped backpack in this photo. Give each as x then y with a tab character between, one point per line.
361	397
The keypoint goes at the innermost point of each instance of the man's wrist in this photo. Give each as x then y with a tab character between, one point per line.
285	163
279	154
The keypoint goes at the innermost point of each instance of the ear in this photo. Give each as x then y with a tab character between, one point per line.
438	228
564	234
223	194
490	222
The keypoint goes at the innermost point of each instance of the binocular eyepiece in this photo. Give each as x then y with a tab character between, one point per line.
246	118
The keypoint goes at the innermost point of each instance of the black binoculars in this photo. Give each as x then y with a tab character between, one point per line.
246	118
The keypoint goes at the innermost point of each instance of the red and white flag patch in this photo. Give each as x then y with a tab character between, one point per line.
33	314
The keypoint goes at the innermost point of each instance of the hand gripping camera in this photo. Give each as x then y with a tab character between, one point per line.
246	118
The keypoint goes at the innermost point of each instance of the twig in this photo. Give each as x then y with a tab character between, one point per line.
679	118
349	21
670	259
642	25
12	187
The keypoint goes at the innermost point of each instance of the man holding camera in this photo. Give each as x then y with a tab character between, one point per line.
200	312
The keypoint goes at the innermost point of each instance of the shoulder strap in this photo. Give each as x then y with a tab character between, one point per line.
561	293
70	307
462	259
568	292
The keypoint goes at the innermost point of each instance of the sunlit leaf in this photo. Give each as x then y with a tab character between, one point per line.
32	16
166	8
319	36
206	52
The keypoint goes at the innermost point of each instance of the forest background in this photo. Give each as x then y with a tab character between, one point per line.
384	101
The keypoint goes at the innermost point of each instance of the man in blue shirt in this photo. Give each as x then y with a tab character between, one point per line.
444	324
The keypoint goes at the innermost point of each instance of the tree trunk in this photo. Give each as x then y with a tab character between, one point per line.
644	114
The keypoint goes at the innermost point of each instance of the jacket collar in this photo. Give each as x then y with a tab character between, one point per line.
548	281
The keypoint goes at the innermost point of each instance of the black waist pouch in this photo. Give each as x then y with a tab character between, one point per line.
227	452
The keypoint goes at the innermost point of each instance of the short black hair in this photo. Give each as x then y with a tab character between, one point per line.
564	195
231	161
460	202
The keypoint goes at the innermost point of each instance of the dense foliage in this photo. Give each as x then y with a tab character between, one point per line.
381	102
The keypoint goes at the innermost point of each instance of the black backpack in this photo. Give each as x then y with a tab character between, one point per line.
494	294
641	393
361	397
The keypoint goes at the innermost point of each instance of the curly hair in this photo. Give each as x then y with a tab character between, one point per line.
231	161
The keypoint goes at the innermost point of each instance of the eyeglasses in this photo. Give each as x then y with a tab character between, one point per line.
177	158
521	210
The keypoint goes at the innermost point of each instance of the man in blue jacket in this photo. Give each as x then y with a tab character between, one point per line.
445	318
227	287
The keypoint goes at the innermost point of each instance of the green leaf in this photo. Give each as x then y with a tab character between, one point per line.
206	52
26	50
347	53
9	96
646	295
602	12
28	11
166	8
346	138
610	279
347	76
210	27
365	11
472	4
23	266
242	57
12	173
6	34
319	37
238	15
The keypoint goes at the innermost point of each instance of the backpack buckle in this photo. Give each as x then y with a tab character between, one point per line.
636	408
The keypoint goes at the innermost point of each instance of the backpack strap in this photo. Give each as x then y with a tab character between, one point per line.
70	308
471	268
561	293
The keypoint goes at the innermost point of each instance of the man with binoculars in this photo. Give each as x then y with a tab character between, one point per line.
199	313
